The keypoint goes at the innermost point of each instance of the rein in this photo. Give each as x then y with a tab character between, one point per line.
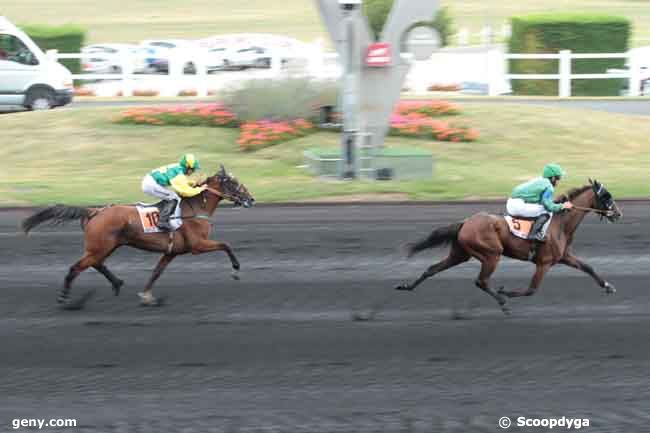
590	209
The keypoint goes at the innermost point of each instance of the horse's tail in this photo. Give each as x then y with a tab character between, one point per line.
439	236
56	215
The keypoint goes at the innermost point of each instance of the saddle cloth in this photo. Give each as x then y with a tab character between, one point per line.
150	216
519	226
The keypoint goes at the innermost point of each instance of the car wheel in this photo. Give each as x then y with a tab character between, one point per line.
39	99
226	64
116	69
189	69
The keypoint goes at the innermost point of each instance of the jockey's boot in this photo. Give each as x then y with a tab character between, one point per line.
165	214
537	232
537	235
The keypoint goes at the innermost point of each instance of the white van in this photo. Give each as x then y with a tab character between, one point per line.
27	76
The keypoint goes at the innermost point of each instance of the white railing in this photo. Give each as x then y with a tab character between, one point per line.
171	84
564	75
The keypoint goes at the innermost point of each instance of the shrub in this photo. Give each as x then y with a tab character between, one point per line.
443	23
66	39
580	33
377	12
284	99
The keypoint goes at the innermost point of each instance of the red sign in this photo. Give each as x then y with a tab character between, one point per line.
378	55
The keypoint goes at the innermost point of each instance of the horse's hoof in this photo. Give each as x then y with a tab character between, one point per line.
404	287
63	298
235	275
117	287
506	310
79	303
609	288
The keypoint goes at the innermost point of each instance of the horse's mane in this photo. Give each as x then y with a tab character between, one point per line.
572	193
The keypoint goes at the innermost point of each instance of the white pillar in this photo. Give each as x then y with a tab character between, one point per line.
126	62
463	36
565	74
494	71
201	74
635	74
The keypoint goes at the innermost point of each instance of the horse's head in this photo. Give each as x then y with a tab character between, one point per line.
230	188
604	201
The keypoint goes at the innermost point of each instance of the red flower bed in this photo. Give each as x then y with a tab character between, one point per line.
263	133
428	108
181	115
421	126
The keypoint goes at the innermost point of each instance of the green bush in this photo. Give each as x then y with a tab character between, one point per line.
66	39
580	33
377	12
285	99
444	25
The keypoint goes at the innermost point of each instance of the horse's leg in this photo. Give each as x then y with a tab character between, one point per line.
540	271
574	262
488	266
207	245
115	282
146	296
456	256
84	263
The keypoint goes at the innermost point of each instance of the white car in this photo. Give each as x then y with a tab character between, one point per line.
248	57
215	58
106	58
158	53
28	77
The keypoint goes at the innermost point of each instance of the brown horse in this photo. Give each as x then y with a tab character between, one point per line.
106	229
487	237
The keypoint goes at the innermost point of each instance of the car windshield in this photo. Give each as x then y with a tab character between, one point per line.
13	49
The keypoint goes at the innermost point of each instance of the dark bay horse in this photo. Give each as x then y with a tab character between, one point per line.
487	237
106	229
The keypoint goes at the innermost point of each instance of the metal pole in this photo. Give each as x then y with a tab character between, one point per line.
351	100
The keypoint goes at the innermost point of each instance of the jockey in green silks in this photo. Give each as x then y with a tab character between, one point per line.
170	183
534	199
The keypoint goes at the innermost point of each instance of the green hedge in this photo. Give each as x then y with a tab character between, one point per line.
66	39
578	32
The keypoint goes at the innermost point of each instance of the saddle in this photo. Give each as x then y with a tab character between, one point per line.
160	205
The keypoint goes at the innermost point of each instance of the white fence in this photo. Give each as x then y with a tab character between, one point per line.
496	59
126	81
488	66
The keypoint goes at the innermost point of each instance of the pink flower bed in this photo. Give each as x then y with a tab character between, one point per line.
418	119
180	115
263	133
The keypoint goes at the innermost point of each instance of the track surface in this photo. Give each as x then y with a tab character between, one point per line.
280	352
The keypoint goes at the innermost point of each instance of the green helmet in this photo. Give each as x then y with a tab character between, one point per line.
189	161
551	170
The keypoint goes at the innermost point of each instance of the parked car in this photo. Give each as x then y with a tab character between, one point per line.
215	58
27	76
106	58
248	57
157	54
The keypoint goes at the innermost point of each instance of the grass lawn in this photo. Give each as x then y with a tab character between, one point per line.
77	156
144	19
